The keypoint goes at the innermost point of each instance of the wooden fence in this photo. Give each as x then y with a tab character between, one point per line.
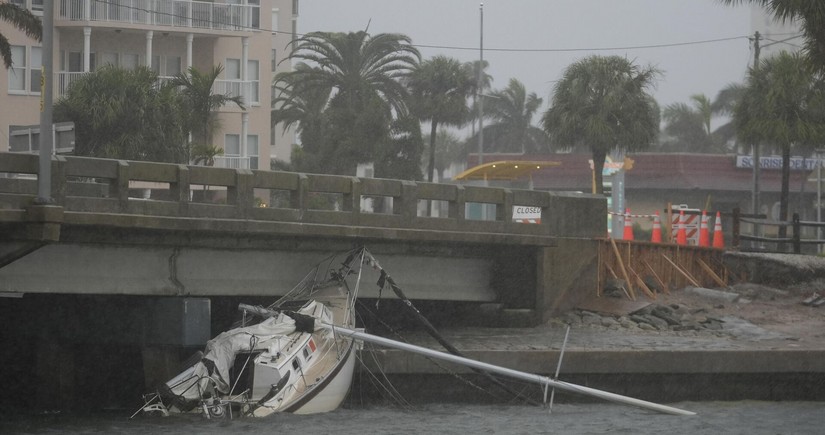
647	269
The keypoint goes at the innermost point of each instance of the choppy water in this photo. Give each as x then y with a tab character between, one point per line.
714	418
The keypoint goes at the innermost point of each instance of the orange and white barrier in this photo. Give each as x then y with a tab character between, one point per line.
718	237
704	236
656	236
628	227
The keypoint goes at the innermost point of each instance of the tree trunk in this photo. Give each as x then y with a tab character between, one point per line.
431	166
598	169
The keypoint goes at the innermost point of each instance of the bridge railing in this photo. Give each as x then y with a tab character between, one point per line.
105	186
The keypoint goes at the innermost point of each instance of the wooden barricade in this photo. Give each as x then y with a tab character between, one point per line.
650	268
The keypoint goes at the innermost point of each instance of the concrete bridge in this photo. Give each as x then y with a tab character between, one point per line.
141	228
136	264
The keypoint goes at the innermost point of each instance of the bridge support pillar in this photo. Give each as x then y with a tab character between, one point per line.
565	274
43	222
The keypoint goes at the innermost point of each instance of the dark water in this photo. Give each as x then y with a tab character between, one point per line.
713	418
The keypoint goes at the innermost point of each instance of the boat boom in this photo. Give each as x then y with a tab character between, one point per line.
529	377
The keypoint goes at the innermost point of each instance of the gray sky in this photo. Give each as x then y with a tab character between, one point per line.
561	24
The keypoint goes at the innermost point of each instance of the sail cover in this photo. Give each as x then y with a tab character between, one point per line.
220	354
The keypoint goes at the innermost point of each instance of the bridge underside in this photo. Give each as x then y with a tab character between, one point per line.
75	268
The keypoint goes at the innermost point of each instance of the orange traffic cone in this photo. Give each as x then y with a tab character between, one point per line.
704	236
656	237
681	234
718	237
628	228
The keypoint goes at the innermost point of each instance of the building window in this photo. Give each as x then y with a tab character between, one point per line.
295	8
233	77
255	6
232	145
17	72
275	14
253	76
129	61
35	70
274	60
252	150
24	74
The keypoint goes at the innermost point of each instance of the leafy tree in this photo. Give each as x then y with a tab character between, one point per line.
439	89
448	149
302	107
23	20
783	105
723	105
356	66
603	103
809	14
511	113
688	127
196	90
473	69
124	114
400	158
361	76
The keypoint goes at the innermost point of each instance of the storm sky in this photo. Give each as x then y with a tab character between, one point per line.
535	40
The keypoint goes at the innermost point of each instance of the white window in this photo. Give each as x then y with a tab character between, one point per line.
295	8
252	150
172	65
129	61
35	70
233	75
25	72
253	75
232	145
274	20
76	61
109	59
17	72
255	6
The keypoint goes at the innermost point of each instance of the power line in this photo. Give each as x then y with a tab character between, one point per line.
632	47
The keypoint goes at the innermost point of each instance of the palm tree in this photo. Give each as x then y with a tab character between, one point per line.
603	103
439	89
196	90
689	127
782	105
511	111
302	107
355	65
723	105
482	81
810	15
23	20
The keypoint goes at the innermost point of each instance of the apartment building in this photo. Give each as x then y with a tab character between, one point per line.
247	37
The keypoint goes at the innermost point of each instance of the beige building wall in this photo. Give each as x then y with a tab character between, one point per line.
127	36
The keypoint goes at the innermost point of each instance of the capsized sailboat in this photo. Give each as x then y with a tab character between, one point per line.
280	358
301	358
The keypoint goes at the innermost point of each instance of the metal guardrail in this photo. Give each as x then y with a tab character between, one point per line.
105	187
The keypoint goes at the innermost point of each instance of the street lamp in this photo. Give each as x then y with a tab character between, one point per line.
478	87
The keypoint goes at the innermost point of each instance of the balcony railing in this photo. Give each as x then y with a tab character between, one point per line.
232	162
173	13
246	89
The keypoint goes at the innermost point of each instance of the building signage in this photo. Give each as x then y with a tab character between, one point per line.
775	162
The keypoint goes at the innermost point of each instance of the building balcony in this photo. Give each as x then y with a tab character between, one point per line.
232	162
183	14
246	89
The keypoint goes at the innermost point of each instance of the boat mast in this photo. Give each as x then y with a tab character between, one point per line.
529	377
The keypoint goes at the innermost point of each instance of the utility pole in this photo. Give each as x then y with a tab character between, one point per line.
480	97
756	156
44	176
